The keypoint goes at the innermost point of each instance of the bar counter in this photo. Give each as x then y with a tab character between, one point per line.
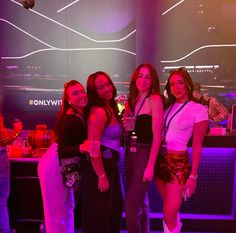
227	141
214	200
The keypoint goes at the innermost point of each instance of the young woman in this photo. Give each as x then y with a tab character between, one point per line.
71	131
146	107
183	119
102	197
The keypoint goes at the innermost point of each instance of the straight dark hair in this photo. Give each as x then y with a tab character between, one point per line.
183	72
133	90
95	100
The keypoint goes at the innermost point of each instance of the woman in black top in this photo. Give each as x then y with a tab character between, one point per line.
146	109
71	131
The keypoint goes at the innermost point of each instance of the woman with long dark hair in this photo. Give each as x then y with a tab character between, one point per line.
102	197
145	107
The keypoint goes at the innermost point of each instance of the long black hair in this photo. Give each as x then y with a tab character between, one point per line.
95	100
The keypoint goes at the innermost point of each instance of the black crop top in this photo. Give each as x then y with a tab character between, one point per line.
71	133
143	128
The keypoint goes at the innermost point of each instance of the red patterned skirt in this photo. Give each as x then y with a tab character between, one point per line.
173	167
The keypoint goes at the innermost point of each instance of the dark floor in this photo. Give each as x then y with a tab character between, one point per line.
189	226
36	229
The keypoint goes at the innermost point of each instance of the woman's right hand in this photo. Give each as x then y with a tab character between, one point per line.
103	183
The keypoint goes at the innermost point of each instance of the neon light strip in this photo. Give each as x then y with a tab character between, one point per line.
172	7
52	48
76	49
30	35
204	67
176	67
193	216
25	88
79	33
200	48
192	67
63	8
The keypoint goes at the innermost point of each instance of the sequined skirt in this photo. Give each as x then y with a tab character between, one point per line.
173	167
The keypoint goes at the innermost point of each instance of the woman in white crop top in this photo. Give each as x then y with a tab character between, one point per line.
184	119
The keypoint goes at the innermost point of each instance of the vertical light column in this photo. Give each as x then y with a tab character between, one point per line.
148	25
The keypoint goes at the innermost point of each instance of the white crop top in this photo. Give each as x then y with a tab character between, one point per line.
181	126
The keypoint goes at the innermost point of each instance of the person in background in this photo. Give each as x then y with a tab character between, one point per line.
7	136
217	112
71	132
146	107
102	200
183	119
230	125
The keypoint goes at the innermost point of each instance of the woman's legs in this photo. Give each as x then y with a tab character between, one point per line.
101	211
145	225
171	195
172	204
171	171
136	219
58	201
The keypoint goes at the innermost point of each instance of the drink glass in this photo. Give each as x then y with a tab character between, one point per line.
129	123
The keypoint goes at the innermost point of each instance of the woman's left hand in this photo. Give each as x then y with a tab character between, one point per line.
190	187
148	174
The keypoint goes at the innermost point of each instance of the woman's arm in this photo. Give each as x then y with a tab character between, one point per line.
157	124
96	124
199	132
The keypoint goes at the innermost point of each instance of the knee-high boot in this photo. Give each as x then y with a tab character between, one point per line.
176	230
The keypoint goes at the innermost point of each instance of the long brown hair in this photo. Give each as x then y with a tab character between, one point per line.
65	102
95	100
183	72
133	90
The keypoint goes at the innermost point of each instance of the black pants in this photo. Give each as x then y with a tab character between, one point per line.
136	203
101	211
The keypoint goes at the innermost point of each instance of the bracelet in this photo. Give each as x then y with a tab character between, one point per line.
16	135
101	176
194	177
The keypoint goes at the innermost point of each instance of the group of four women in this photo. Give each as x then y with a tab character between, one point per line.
90	120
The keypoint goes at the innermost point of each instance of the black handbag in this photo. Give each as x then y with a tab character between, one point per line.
71	171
